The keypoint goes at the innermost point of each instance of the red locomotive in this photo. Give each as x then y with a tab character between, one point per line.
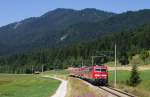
95	74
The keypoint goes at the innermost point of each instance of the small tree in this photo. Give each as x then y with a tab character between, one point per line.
144	55
134	79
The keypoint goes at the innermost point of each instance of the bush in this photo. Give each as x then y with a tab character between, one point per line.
144	55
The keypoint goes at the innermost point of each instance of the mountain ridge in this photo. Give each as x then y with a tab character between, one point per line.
62	27
34	31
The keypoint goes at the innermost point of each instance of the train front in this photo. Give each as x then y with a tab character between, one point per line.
100	75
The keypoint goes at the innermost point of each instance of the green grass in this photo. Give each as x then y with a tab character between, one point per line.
142	88
122	76
26	86
145	84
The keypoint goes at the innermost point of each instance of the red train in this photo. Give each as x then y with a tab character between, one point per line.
95	74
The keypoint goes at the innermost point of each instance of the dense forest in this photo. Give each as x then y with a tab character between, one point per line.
128	43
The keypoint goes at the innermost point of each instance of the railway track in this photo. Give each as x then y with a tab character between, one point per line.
115	92
112	91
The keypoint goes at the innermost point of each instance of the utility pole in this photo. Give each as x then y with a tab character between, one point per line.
115	80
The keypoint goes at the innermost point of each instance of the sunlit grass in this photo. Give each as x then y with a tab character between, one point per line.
26	86
141	90
77	88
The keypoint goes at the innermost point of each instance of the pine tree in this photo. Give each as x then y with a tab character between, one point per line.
134	79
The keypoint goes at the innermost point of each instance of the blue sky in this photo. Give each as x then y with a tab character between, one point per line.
16	10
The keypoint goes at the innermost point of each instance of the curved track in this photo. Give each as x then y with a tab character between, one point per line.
112	92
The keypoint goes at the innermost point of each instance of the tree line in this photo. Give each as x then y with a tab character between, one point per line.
128	44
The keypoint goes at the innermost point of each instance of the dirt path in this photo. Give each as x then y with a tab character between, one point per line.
62	90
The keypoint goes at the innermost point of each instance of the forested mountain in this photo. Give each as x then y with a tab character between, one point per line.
128	44
127	21
46	30
64	27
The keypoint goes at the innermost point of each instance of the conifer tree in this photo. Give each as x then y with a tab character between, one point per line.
134	79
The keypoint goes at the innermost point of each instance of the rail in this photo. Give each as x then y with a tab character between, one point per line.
116	92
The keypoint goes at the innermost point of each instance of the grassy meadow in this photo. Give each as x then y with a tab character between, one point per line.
26	86
142	90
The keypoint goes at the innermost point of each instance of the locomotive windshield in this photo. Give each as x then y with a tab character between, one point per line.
100	70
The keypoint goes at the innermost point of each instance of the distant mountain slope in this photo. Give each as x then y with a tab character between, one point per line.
128	45
62	27
127	21
45	31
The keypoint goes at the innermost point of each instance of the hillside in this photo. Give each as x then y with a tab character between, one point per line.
124	22
128	45
46	30
63	27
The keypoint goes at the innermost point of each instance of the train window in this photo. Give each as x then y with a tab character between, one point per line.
100	70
